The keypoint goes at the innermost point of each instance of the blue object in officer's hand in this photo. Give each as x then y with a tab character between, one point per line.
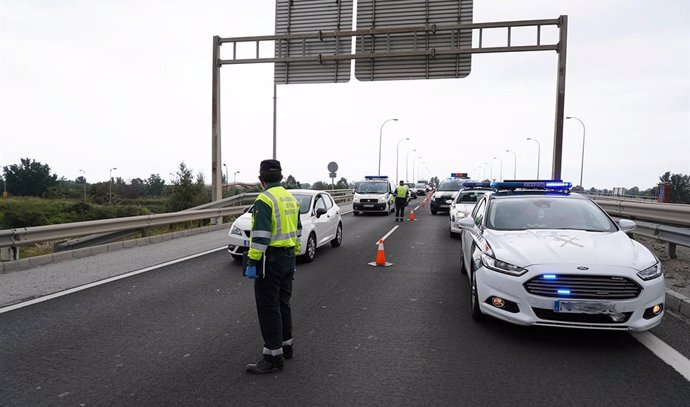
250	272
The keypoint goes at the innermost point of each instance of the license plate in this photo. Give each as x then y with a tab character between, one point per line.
368	206
585	307
444	206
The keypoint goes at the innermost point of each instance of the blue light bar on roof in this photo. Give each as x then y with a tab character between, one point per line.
554	184
473	184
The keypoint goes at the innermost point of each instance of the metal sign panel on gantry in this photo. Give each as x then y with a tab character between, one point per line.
309	16
377	14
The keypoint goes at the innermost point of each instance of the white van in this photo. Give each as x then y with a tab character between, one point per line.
374	195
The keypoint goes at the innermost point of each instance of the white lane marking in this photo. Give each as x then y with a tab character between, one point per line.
107	280
387	234
664	352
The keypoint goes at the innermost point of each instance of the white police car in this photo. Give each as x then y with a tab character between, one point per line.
536	254
464	203
321	224
374	194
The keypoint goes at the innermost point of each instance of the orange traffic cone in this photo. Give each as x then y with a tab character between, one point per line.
380	257
411	215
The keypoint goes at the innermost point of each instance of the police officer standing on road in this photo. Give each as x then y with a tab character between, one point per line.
275	239
402	195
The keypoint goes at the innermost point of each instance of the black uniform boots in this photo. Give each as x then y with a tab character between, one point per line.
268	364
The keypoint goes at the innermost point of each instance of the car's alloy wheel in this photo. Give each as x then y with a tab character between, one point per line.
476	312
338	239
311	249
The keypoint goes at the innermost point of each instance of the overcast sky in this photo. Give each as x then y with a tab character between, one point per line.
92	85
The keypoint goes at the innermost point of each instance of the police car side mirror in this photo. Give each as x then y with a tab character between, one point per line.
627	225
465	223
320	211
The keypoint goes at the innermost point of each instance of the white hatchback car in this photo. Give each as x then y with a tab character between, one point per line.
321	224
464	203
536	255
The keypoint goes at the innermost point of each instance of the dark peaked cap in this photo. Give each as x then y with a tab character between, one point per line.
270	165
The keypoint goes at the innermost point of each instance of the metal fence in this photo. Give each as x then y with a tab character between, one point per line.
120	228
666	222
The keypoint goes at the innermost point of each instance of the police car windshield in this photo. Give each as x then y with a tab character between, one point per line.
372	188
304	202
544	212
451	185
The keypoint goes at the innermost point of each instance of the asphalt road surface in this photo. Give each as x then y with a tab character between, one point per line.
181	335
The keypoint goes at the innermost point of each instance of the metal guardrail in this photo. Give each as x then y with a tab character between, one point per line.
29	235
662	213
667	222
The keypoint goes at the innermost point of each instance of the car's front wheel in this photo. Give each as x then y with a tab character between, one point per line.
434	212
477	314
310	253
356	213
338	239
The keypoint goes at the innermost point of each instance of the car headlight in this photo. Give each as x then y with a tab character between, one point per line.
449	201
355	199
651	273
382	199
501	266
236	231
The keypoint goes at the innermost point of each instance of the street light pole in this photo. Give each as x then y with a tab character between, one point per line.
407	164
397	154
414	162
582	163
110	186
234	183
84	179
538	153
381	138
514	163
500	174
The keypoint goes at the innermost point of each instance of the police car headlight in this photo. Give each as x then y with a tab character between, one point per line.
355	199
382	199
236	231
651	272
501	266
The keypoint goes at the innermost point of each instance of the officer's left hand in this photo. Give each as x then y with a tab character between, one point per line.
250	272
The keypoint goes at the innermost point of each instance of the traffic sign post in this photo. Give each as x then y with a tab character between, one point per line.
332	168
415	39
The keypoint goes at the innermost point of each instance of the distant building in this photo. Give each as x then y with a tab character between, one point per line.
618	191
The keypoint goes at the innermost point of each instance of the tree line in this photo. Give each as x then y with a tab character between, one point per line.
31	178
